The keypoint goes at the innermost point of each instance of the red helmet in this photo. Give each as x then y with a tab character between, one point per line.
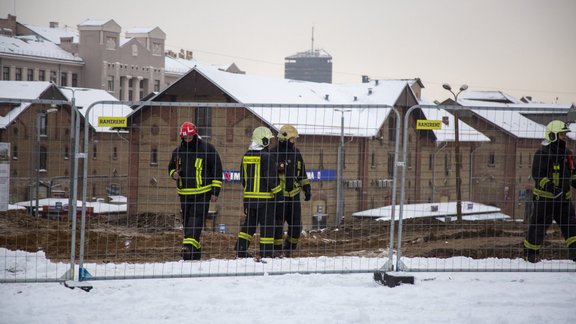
188	129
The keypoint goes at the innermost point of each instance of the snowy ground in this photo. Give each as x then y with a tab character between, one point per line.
436	297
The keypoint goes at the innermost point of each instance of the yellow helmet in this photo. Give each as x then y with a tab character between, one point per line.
262	135
287	132
554	128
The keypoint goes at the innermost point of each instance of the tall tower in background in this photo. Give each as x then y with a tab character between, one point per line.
313	65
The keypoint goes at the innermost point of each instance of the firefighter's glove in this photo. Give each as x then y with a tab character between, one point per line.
557	192
307	195
175	175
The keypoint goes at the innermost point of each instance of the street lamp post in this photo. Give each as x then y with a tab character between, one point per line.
457	151
340	175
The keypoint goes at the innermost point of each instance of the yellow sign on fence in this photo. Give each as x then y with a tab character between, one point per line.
428	124
112	122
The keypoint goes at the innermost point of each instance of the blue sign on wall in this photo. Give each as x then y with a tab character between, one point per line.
313	175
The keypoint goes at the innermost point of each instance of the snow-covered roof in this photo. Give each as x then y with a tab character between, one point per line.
181	66
514	121
311	53
53	34
85	97
359	121
445	211
32	46
94	22
140	30
20	90
99	207
491	96
447	133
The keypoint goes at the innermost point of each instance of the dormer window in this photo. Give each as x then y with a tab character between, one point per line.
110	43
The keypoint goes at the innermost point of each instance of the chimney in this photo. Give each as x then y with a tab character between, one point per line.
188	55
53	24
365	79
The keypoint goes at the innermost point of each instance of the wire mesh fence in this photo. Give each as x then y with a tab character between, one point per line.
129	222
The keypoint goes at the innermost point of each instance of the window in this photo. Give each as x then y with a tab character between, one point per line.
373	160
390	165
114	189
18	75
142	85
430	161
446	165
130	88
30	75
66	153
53	76
154	156
94	152
74	79
15	152
392	129
204	121
43	163
114	153
134	50
157	49
491	159
156	85
41	75
6	73
111	83
43	124
63	79
110	43
321	160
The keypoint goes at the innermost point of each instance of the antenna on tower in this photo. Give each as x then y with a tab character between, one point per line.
312	50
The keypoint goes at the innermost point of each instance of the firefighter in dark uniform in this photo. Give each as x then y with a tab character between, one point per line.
197	169
554	174
261	191
293	179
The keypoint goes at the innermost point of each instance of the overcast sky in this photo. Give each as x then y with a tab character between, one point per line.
522	47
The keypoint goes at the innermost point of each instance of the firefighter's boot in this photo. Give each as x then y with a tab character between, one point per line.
531	256
186	252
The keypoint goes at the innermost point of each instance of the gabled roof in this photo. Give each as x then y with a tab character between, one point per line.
100	24
53	34
152	32
447	133
514	122
359	121
86	97
20	90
